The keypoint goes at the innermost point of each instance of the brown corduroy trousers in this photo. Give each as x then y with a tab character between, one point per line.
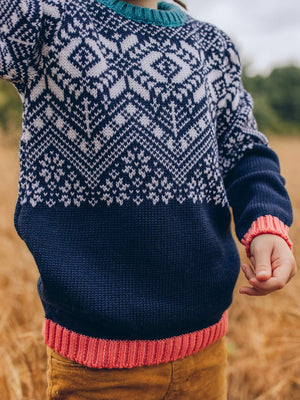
201	376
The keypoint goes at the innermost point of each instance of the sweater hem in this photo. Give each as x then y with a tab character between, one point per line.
105	353
266	224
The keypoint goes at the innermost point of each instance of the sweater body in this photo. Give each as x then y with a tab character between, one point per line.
137	138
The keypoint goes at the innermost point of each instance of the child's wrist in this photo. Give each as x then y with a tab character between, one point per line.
266	224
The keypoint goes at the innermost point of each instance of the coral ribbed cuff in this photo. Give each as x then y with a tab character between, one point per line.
266	224
104	353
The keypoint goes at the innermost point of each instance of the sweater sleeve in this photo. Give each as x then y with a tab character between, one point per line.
250	168
20	43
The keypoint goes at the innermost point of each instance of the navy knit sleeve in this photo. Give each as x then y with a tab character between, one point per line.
250	168
20	38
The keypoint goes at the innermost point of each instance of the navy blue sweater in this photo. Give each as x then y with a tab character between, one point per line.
138	137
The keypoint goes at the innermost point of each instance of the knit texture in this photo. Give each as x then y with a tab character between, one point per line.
103	353
138	137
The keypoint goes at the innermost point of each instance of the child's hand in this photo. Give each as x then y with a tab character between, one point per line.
273	262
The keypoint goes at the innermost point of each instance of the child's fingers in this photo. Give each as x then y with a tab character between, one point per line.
252	291
248	274
271	270
279	279
281	276
248	271
270	285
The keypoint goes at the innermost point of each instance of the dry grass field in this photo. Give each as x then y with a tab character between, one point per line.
264	332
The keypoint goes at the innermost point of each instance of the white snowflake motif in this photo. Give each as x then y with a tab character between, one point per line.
61	183
196	189
132	181
160	188
71	186
114	188
52	169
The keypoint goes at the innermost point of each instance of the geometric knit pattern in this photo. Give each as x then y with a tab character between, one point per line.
117	116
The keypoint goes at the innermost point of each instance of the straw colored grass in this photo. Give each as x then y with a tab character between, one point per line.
264	332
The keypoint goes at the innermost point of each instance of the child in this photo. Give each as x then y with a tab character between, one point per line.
137	138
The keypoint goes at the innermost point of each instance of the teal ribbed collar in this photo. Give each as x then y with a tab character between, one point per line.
167	14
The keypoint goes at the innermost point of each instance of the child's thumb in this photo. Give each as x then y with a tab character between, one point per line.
262	265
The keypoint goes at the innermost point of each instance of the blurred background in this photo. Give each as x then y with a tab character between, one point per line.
263	338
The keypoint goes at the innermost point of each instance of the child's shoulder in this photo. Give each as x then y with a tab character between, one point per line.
212	34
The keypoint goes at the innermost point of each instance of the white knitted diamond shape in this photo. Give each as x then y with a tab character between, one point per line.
82	55
151	62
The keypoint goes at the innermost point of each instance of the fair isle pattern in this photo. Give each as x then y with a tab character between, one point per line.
121	111
136	181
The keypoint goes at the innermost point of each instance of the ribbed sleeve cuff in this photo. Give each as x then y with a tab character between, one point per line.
266	224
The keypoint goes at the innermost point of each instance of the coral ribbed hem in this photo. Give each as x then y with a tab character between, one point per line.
105	353
266	224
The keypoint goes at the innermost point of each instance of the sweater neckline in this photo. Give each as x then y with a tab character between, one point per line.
166	14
